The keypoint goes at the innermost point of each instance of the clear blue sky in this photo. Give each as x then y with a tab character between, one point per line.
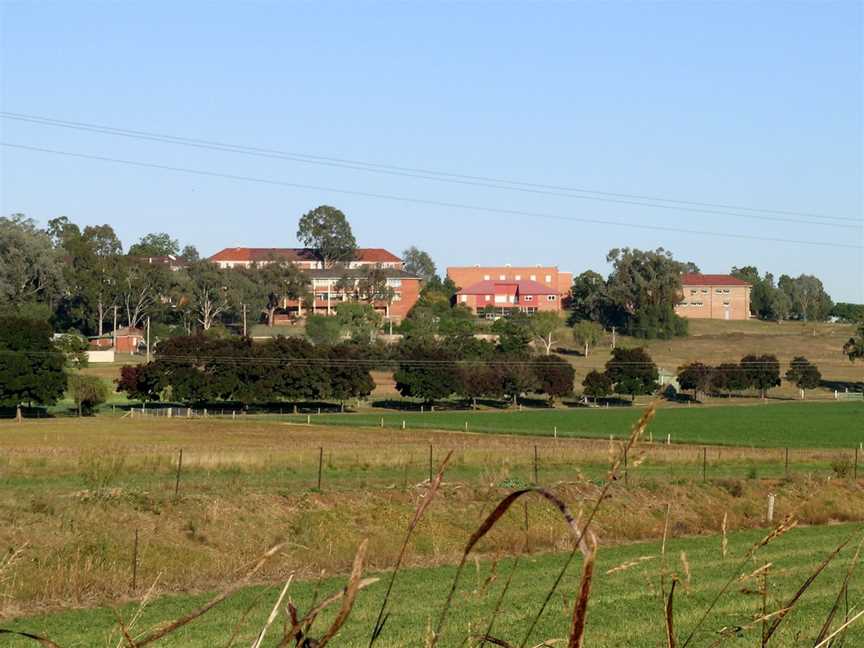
756	104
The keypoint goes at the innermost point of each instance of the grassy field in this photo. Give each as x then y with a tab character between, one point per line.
625	607
778	425
73	492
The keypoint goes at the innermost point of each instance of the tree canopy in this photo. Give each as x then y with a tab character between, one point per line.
418	263
31	369
326	230
154	245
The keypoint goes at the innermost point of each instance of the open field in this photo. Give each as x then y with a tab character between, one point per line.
777	425
75	491
631	595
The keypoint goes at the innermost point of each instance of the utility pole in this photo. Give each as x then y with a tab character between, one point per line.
114	332
148	338
244	320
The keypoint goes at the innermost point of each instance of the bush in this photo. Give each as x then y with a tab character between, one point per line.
842	467
88	392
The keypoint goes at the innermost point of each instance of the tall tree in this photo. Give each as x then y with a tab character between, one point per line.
589	299
30	267
190	254
140	287
427	371
277	281
597	384
697	377
760	372
632	371
209	292
323	330
31	369
803	374
555	377
326	230
644	287
543	326
587	334
156	244
418	263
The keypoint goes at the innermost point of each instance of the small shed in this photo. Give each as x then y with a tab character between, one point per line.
128	339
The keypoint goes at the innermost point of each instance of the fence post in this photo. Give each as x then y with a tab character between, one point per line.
536	479
855	465
430	459
177	481
786	469
626	476
308	420
382	421
135	563
770	508
704	464
320	464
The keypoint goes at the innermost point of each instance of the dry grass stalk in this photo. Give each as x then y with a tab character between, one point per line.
788	523
669	617
350	595
844	589
503	506
842	628
47	643
685	567
627	565
724	541
500	600
418	514
790	604
273	613
168	628
580	610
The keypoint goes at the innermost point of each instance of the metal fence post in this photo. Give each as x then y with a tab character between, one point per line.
179	468
320	465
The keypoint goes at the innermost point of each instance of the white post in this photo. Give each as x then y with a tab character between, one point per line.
668	439
403	424
308	419
148	338
555	432
18	415
382	421
770	508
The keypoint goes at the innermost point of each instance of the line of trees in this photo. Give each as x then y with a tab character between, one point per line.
203	369
754	372
629	372
797	298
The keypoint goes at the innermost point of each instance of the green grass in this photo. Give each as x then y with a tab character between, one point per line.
625	609
793	425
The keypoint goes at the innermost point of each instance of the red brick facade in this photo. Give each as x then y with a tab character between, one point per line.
714	297
549	276
498	298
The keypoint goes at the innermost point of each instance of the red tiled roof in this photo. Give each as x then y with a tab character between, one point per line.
697	279
369	255
490	287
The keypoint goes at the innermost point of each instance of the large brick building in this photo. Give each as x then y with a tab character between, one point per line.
493	299
331	286
548	276
714	297
303	258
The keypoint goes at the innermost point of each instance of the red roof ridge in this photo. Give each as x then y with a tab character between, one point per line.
699	279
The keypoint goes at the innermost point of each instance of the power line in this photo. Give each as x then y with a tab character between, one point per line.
440	176
423	201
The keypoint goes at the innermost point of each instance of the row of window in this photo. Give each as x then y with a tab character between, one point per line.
503	299
517	277
719	291
700	303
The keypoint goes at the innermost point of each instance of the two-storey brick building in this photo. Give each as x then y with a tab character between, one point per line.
548	276
714	297
330	286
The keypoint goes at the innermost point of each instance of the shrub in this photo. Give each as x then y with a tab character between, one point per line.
88	392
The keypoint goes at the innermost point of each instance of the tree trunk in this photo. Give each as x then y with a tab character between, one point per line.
586	349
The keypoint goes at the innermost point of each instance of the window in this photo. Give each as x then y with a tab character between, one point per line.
394	282
718	291
397	297
683	304
464	298
704	291
518	277
533	277
725	291
502	277
693	292
488	297
528	298
500	299
726	303
548	278
485	277
551	297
